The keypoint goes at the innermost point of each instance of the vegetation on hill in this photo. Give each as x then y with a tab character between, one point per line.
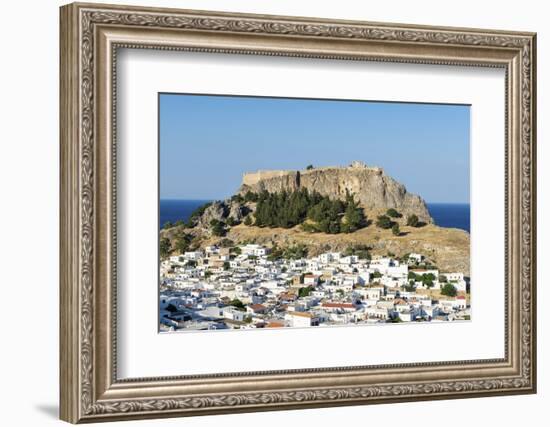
164	247
313	212
316	213
391	212
182	241
384	221
395	229
448	290
305	291
361	251
412	221
427	279
217	227
238	304
290	252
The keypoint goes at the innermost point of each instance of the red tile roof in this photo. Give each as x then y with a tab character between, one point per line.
275	325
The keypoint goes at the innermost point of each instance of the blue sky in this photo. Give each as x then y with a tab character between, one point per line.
207	142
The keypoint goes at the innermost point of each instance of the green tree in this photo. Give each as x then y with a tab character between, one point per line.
383	221
238	304
395	229
326	213
164	247
250	197
167	225
288	209
226	265
182	241
449	290
237	198
217	227
231	221
305	291
275	254
179	223
412	220
391	212
309	167
428	276
361	251
295	252
354	218
428	280
248	220
171	308
409	287
226	243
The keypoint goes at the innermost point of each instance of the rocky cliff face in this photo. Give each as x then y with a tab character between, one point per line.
370	186
222	211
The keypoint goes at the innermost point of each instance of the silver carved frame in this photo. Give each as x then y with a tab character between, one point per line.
90	37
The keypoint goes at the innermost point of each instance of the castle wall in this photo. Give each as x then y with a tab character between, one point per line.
252	178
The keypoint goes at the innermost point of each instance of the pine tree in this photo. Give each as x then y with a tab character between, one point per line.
354	217
412	220
164	247
395	229
384	222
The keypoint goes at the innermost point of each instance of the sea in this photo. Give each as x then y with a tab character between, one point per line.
455	215
172	210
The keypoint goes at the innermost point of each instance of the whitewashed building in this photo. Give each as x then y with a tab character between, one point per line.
254	250
299	319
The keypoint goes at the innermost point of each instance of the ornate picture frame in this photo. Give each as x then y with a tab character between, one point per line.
90	37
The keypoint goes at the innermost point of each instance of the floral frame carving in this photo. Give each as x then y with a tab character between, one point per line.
90	35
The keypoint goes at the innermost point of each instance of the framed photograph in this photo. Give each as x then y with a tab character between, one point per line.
265	213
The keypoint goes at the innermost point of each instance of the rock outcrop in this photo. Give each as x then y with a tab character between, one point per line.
370	186
215	211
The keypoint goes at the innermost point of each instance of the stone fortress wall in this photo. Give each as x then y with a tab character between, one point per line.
253	178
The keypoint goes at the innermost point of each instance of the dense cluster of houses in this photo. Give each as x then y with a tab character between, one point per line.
243	287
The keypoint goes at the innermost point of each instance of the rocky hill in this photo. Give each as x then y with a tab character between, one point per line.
448	248
371	187
233	221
